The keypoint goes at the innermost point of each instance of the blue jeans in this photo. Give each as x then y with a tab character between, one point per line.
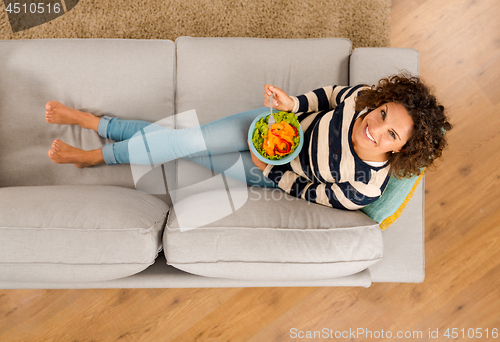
211	145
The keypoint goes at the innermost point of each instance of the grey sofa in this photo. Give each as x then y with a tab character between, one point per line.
179	224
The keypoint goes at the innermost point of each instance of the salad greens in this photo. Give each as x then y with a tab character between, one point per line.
261	132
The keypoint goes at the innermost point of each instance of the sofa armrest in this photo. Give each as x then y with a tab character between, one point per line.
369	65
404	257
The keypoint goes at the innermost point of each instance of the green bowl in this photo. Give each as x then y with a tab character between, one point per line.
285	159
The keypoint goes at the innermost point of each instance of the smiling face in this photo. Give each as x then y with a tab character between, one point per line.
384	130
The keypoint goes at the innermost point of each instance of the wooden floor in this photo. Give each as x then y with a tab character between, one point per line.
459	44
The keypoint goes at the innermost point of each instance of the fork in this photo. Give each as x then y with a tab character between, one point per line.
271	117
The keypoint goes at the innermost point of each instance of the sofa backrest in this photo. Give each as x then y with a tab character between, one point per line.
223	76
143	79
131	79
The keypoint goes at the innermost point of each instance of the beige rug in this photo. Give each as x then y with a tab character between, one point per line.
364	22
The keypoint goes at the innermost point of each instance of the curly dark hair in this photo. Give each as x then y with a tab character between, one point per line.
427	140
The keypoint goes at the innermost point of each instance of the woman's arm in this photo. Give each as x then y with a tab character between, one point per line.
345	195
281	100
325	98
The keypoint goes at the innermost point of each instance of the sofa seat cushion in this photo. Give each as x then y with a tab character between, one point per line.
271	236
77	233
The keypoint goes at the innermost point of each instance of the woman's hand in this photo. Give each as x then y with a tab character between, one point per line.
281	100
259	163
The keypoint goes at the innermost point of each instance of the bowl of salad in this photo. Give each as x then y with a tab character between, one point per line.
282	144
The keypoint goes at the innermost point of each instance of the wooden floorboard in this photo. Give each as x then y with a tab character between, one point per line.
459	44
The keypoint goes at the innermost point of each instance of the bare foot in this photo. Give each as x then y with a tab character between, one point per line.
57	113
62	153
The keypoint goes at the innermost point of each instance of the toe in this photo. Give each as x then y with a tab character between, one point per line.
50	105
49	114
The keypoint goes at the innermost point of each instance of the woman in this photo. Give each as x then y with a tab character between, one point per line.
354	139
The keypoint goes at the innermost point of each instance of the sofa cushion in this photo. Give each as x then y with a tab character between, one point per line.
387	209
222	76
130	79
77	233
271	236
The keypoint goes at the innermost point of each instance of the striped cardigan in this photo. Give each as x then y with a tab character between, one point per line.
327	171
